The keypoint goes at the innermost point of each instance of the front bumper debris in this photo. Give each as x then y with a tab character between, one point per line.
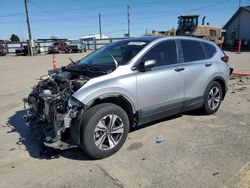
56	134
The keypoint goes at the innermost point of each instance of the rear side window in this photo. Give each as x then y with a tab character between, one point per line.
164	53
192	50
209	49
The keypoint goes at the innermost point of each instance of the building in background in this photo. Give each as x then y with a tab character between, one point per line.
238	27
90	41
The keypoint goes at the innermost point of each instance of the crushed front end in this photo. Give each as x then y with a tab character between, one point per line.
51	105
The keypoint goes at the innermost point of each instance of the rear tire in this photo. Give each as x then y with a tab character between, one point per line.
104	130
212	98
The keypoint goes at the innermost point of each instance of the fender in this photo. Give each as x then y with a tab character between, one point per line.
75	129
108	95
219	78
225	88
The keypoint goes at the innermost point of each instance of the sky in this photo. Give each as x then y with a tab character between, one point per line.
76	18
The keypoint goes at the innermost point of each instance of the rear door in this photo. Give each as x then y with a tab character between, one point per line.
160	90
199	67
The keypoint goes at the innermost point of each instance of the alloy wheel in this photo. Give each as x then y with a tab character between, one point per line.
214	98
108	132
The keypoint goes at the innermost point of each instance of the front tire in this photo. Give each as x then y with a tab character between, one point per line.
212	98
104	130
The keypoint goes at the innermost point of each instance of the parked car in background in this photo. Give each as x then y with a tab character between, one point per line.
59	47
77	46
3	50
93	102
24	50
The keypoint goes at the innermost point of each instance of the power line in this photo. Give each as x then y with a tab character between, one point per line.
70	19
62	19
191	10
81	9
10	15
113	20
48	12
114	16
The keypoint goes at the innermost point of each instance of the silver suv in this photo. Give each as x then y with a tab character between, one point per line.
93	102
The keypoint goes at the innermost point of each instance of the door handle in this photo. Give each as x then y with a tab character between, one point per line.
179	69
208	64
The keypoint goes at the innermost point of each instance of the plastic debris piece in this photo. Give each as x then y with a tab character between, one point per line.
215	174
159	140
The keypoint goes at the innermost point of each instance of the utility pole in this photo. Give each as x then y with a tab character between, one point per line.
128	12
29	31
100	26
239	21
238	37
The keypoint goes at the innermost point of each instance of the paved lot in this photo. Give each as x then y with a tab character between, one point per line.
186	150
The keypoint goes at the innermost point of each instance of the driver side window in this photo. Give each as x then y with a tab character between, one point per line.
163	53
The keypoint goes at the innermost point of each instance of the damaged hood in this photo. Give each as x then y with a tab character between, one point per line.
98	85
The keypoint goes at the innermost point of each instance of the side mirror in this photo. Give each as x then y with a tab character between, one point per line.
148	64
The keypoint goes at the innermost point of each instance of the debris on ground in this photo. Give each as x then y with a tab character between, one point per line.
159	140
134	146
239	84
242	89
215	174
49	153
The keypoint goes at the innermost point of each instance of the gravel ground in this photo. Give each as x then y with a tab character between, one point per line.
186	150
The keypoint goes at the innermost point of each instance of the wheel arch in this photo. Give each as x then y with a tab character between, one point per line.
121	100
222	83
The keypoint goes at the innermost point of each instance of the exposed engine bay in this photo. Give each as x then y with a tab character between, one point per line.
51	103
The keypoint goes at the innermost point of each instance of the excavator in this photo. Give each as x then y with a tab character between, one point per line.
188	25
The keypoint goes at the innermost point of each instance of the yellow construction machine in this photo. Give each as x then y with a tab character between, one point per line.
188	25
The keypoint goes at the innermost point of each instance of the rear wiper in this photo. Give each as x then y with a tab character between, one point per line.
116	64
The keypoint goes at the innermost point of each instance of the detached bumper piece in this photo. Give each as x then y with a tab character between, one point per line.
59	144
231	71
55	128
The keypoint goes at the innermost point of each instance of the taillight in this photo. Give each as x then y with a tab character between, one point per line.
225	58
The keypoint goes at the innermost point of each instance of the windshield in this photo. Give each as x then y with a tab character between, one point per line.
118	53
